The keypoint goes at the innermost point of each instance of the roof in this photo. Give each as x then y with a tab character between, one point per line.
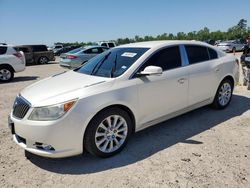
152	44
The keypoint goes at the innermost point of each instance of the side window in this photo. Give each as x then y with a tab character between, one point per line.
39	48
167	58
24	50
91	51
212	53
100	50
196	54
95	51
3	50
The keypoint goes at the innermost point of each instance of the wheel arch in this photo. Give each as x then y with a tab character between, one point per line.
7	65
121	106
229	77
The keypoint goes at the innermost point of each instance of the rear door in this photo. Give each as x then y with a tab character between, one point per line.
204	70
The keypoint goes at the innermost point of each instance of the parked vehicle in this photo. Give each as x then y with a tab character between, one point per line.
36	54
79	56
107	44
66	49
231	46
57	48
11	61
123	90
245	62
210	41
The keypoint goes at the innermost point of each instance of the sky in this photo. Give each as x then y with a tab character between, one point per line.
49	21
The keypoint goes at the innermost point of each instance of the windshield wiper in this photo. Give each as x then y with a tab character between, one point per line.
99	64
113	67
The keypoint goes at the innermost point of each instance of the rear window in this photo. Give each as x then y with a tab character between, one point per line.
76	50
39	48
3	50
104	44
197	54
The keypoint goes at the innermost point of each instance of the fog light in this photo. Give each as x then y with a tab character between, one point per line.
44	146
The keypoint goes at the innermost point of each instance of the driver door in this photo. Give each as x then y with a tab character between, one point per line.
162	95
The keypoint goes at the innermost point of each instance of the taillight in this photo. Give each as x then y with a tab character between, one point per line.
18	55
70	57
248	70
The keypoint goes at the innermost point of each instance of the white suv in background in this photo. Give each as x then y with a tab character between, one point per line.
11	61
120	91
107	44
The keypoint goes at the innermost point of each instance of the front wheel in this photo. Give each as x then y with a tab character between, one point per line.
108	132
43	60
223	95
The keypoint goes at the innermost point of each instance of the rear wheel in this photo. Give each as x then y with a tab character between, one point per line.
6	74
223	95
108	132
248	86
234	50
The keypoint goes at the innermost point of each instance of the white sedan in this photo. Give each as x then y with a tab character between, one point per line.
98	106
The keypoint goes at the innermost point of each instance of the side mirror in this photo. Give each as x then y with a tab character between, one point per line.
151	70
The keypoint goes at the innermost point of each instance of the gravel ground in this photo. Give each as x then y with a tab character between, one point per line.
203	148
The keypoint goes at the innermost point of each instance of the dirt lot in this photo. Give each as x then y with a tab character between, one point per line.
203	148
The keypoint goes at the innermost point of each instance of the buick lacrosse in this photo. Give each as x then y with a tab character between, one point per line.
97	106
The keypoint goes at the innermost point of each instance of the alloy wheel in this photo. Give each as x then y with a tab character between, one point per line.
111	133
225	94
5	74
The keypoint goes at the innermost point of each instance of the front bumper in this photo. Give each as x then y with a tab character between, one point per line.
65	135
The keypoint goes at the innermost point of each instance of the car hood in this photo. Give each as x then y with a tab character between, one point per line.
62	87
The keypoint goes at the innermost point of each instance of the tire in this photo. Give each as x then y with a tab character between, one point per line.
43	60
244	82
221	95
99	136
234	50
6	74
248	86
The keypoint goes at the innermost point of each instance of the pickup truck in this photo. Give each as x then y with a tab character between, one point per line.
36	54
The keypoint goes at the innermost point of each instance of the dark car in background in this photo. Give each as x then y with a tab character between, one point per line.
65	49
36	54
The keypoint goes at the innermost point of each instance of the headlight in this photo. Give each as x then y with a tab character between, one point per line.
53	112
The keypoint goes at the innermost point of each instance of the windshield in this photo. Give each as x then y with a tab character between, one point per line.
76	50
112	63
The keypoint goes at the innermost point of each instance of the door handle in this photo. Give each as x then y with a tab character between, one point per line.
181	80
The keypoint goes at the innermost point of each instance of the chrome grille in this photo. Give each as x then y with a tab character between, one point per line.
20	107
